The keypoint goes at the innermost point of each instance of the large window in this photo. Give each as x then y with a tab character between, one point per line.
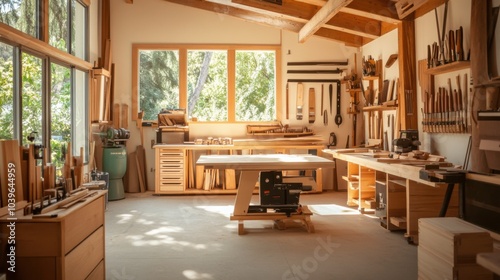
20	14
207	85
213	83
6	91
32	94
65	26
44	94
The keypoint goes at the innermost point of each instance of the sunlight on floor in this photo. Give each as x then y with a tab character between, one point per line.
332	209
224	210
191	274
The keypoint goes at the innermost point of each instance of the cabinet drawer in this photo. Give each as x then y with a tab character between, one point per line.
171	166
171	161
85	257
81	224
170	185
170	153
171	178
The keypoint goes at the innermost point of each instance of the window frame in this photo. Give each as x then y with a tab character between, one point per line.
183	91
22	42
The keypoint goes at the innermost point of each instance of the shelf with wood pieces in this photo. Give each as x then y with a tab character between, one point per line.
449	67
448	109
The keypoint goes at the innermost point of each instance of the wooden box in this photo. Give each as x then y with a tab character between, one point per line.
431	267
453	240
448	247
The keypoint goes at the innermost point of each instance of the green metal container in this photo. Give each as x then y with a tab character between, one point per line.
114	161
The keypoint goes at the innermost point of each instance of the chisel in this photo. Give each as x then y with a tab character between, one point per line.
312	105
300	99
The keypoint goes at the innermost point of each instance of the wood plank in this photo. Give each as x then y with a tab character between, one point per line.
140	165
132	178
124	115
10	165
116	115
329	10
230	175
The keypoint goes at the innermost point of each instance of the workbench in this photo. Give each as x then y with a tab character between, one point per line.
406	197
250	167
61	244
175	171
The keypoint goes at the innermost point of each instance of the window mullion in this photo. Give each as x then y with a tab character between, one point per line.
46	111
183	69
69	6
17	93
43	21
231	85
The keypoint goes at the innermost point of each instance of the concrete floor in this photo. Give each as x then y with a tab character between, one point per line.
191	237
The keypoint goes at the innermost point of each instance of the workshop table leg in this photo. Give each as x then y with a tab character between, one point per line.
245	191
446	200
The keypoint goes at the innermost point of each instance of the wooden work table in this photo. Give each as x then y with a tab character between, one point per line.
394	191
250	167
66	243
176	173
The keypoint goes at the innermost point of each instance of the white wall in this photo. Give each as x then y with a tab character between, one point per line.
157	21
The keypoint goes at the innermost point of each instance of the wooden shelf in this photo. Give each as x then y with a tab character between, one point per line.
400	182
450	67
354	90
370	78
400	222
379	108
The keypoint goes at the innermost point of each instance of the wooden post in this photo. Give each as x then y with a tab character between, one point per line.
479	71
407	75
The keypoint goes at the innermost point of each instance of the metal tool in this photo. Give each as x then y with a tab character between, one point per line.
300	98
330	93
441	35
333	140
312	105
338	117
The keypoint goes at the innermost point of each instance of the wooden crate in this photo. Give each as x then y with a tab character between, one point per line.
454	240
431	267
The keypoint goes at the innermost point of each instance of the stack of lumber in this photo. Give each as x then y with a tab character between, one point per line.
448	247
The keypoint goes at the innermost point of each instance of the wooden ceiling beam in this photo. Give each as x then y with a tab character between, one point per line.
427	7
247	15
294	14
348	39
355	25
302	13
329	10
289	8
318	3
383	10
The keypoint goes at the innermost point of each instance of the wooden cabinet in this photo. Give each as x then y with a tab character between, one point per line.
67	246
170	170
361	187
391	201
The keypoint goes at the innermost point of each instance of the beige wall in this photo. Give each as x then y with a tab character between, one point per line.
157	21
